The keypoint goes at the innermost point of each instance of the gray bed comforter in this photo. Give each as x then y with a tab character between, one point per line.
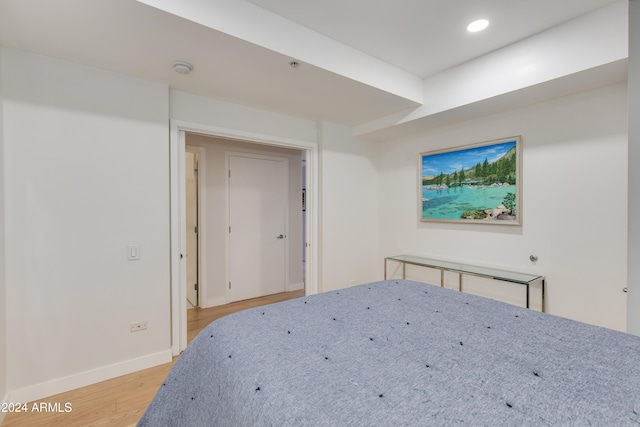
400	353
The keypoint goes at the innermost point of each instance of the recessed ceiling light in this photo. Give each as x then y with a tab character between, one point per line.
182	67
294	64
477	25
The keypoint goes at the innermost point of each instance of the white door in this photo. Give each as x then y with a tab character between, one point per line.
257	220
191	195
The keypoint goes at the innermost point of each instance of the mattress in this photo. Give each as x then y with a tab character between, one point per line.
400	353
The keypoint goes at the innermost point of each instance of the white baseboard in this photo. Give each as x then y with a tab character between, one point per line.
61	385
295	286
214	302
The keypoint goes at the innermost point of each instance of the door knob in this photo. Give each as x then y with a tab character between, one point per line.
280	236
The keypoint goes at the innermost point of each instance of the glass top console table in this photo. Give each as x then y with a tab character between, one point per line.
453	273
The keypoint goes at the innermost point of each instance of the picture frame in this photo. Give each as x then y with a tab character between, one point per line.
478	183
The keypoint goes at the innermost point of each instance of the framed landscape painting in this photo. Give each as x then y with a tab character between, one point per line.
477	183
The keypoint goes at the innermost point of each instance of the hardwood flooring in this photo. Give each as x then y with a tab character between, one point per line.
122	401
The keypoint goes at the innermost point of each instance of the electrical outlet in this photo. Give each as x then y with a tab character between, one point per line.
140	326
352	282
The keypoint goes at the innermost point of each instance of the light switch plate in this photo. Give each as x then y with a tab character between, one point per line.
133	252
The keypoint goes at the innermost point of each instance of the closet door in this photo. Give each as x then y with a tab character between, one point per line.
257	220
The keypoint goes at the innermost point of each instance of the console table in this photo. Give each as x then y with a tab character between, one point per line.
452	274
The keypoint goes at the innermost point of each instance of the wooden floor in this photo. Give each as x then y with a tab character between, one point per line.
123	400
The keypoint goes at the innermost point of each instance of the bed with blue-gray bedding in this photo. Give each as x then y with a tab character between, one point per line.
401	353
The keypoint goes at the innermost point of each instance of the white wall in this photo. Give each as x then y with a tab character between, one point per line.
634	172
212	112
349	209
86	167
3	305
215	227
574	202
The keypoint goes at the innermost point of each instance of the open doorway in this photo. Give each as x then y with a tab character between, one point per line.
215	262
253	226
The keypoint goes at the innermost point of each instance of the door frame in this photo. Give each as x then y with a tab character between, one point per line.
177	146
202	226
227	191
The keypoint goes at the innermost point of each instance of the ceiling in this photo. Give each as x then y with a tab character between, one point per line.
411	38
428	36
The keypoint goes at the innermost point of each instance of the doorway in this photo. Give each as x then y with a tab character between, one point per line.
178	215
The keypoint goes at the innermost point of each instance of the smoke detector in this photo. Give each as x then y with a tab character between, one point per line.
182	67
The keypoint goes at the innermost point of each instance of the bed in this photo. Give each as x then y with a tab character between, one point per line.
400	353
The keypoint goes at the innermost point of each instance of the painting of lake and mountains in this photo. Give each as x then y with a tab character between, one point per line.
478	183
